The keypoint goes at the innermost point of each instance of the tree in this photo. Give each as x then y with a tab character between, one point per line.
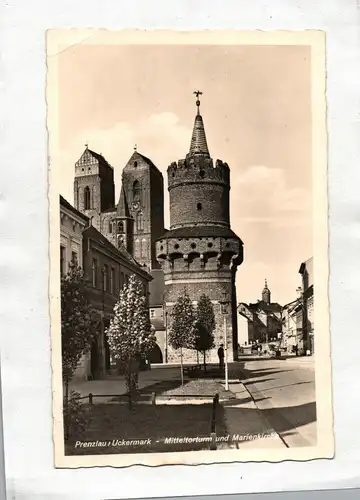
129	333
204	326
182	334
78	325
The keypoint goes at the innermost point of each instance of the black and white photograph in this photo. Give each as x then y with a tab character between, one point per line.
189	247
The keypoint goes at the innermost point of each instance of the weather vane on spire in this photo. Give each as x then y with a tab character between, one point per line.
135	147
198	93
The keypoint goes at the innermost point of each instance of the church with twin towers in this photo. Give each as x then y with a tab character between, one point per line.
199	252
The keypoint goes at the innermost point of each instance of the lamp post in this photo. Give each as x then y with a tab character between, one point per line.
224	309
166	337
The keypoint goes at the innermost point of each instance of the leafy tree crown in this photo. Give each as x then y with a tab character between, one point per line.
129	333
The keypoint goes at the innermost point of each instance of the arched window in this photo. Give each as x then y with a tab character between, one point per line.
120	226
87	198
136	190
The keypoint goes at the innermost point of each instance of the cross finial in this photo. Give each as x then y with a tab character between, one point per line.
135	147
198	93
86	145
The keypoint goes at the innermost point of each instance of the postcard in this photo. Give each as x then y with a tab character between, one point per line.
188	247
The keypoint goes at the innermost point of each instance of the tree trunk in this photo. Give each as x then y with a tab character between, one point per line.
204	361
197	357
181	367
129	384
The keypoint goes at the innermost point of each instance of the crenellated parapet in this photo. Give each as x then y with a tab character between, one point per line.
211	254
198	169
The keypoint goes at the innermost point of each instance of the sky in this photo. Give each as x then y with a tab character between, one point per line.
256	107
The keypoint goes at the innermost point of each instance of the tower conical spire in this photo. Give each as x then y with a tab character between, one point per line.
198	145
266	294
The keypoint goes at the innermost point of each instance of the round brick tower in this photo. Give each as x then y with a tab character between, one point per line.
200	253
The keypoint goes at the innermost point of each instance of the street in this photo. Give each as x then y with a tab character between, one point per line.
284	391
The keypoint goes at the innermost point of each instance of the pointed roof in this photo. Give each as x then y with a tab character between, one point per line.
198	144
88	154
123	207
138	156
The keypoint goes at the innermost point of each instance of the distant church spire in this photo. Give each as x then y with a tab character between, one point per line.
198	145
266	294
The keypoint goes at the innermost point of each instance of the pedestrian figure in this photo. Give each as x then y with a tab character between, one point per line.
296	349
221	356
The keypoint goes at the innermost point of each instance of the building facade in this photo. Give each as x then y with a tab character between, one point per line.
263	319
107	270
307	313
72	225
200	253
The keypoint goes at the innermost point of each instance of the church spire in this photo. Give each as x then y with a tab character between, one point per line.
123	207
266	294
198	145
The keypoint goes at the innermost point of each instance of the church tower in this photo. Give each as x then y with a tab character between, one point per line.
142	202
200	253
94	189
266	294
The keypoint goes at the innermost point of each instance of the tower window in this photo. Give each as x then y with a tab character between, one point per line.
136	190
202	173
210	245
87	198
176	246
110	227
135	163
193	245
199	206
120	226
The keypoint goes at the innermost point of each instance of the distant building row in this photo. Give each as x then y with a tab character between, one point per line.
291	324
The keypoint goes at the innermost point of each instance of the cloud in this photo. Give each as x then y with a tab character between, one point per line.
262	194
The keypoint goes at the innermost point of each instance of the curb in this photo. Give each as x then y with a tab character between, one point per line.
259	411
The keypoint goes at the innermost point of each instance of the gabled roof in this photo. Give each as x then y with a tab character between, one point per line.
99	158
64	203
96	156
136	156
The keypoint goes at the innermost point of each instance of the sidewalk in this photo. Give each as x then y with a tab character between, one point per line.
243	418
